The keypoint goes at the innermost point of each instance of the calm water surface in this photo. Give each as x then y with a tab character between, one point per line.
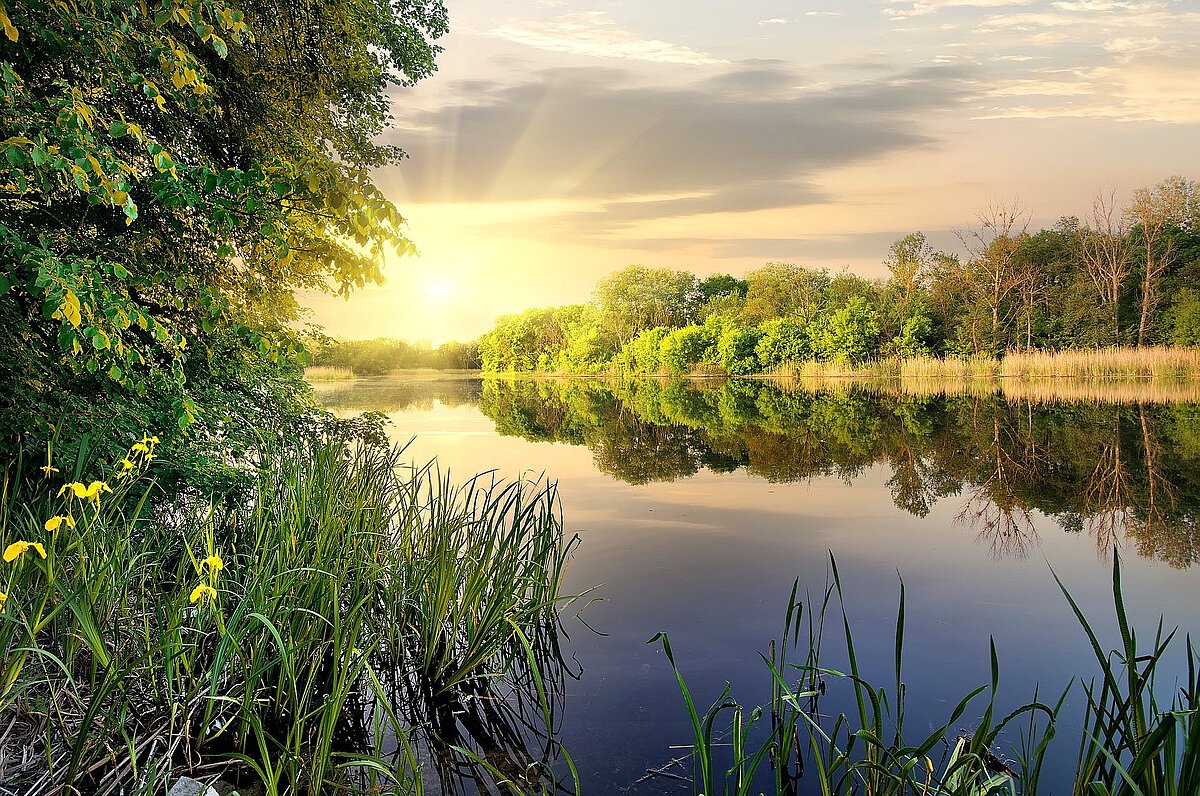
699	505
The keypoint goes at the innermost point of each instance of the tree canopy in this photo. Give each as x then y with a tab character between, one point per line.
170	175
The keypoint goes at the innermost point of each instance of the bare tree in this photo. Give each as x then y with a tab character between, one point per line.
1105	250
1155	210
993	248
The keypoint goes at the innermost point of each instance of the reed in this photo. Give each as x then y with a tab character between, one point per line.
326	373
1130	745
1158	363
252	637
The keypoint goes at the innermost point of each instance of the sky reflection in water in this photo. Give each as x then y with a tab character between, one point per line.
699	505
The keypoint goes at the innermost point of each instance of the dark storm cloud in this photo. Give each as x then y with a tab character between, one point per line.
750	138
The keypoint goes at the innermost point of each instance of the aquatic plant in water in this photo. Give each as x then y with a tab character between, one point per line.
254	637
1130	744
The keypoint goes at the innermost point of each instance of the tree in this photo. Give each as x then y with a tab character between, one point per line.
736	350
637	298
1154	211
783	342
780	290
993	246
1183	319
909	260
688	346
721	285
1104	250
168	180
912	341
847	335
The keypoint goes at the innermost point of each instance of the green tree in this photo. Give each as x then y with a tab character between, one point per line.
779	290
1183	318
913	339
736	350
686	347
908	261
783	342
171	175
637	298
721	285
849	334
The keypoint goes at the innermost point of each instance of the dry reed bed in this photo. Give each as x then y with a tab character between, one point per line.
324	373
1112	375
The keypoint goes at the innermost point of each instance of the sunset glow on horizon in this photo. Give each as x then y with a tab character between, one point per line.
562	141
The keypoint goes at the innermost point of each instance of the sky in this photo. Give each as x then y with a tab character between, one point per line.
563	140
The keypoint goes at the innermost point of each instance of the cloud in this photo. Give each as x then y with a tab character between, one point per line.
752	138
773	21
592	33
920	8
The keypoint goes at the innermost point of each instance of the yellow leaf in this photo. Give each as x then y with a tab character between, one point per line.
178	80
6	23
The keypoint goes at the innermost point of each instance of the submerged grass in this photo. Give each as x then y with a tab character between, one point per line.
1130	744
254	639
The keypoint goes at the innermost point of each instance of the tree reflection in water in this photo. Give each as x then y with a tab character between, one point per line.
1116	471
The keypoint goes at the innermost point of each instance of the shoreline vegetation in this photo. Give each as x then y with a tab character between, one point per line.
339	628
1158	374
205	574
1131	743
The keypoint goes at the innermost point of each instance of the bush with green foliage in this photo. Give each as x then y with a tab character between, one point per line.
783	341
848	334
1183	318
736	350
912	340
683	349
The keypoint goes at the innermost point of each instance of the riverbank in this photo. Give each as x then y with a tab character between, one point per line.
312	635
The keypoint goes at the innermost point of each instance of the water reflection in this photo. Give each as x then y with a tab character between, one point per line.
1100	469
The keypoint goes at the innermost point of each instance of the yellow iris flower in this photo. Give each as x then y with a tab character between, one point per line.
3	598
90	492
214	564
53	523
17	549
75	488
203	592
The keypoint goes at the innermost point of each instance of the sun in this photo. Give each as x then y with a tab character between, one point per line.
438	290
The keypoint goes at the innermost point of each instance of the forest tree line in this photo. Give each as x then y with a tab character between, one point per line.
1123	276
380	355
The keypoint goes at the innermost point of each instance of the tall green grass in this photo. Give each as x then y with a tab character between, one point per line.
255	638
1130	744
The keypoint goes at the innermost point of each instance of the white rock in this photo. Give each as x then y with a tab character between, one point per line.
186	786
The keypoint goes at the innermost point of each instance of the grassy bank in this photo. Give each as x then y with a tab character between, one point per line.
303	638
1130	744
